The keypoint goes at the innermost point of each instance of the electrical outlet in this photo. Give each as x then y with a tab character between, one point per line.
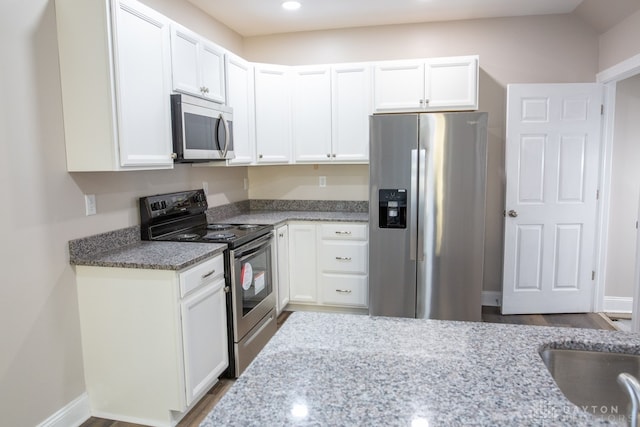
322	181
205	187
90	204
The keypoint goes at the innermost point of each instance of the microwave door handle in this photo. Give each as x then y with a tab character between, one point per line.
226	136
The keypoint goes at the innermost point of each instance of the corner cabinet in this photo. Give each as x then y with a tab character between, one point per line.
155	333
435	84
115	105
197	65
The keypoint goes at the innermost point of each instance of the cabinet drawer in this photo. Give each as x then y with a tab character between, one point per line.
344	290
344	231
343	257
200	274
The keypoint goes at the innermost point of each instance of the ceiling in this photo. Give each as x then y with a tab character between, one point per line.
261	17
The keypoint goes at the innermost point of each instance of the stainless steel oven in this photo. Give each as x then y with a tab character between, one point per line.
249	272
253	300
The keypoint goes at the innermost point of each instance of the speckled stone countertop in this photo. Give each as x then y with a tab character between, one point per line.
152	255
324	369
277	217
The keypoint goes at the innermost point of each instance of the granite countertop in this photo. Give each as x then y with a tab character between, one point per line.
152	255
277	217
325	369
123	247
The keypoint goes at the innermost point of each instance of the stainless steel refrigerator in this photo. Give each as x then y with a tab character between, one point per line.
426	214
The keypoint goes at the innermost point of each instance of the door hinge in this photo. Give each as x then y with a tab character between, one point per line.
601	109
593	275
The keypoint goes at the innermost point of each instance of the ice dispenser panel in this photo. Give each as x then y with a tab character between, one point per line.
392	205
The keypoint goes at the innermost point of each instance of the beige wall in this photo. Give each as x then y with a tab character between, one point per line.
625	191
43	208
620	42
191	17
300	182
542	49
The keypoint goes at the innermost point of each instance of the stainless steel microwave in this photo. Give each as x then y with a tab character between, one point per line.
202	130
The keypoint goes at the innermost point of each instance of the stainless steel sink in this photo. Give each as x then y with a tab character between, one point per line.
589	379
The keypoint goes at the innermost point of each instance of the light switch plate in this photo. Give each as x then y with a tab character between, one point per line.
322	181
90	204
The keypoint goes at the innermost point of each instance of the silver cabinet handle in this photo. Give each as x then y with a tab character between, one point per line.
204	276
512	213
343	233
328	155
343	291
343	258
259	156
281	235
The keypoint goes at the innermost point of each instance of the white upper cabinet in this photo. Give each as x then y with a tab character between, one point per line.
436	84
351	105
311	113
240	97
273	118
197	65
451	83
399	85
330	113
116	105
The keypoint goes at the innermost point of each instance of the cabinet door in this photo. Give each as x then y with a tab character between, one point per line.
240	98
399	85
212	71
311	114
204	334
143	75
452	83
184	61
351	90
282	246
273	135
302	263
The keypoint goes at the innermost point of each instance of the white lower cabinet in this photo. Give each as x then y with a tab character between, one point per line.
153	341
302	262
282	267
328	264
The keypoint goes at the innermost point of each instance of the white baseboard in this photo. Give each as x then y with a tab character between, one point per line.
72	415
492	298
618	305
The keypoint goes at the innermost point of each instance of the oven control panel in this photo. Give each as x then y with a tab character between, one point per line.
172	204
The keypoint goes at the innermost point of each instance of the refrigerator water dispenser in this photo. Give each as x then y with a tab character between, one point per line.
393	208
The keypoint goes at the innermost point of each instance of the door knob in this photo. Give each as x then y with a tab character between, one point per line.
512	213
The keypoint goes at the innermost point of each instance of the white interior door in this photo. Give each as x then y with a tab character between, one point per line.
552	157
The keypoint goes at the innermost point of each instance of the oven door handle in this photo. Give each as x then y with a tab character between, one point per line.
253	247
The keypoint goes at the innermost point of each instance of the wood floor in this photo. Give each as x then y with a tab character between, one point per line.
573	320
489	314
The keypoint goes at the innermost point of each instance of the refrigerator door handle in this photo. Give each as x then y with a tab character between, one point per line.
413	206
421	213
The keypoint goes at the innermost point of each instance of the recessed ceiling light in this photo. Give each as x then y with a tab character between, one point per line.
291	5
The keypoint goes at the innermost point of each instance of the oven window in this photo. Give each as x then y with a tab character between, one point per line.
253	278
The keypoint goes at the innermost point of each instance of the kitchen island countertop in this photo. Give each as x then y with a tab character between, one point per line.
324	369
